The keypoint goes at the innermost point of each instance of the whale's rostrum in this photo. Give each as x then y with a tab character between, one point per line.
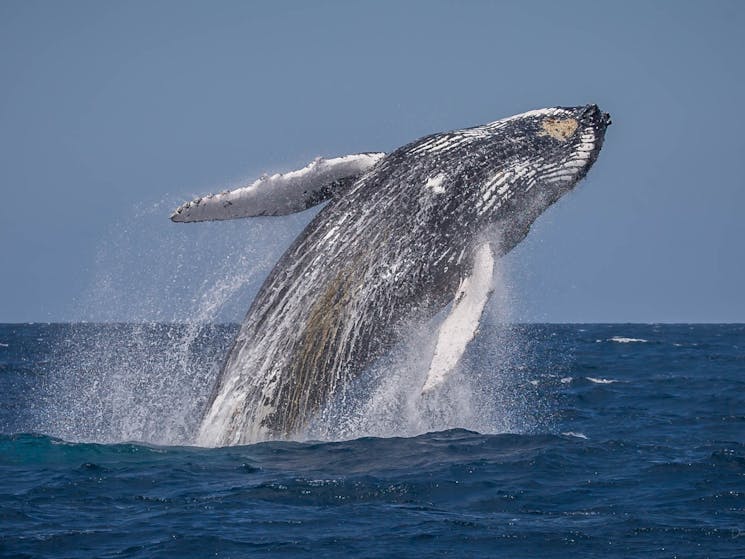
404	235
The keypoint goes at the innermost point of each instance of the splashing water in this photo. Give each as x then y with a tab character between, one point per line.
148	378
144	369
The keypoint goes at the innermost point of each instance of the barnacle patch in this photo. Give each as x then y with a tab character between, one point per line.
559	128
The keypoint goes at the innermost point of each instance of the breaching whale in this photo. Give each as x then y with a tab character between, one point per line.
404	234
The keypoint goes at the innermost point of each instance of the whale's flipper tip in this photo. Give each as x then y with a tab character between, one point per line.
196	210
177	216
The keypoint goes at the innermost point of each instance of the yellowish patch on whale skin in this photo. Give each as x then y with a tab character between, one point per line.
559	128
319	343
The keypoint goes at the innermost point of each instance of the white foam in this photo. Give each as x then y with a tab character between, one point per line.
601	380
575	434
622	340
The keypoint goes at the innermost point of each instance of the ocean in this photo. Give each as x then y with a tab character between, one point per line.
581	440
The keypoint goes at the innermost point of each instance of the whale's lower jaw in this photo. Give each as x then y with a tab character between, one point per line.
390	250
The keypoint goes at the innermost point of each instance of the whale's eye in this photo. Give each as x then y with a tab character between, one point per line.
559	128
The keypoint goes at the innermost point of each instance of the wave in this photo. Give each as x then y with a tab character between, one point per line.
26	452
574	434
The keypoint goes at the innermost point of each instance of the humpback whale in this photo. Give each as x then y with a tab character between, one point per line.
404	235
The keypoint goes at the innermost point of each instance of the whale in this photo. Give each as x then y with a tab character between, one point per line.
404	236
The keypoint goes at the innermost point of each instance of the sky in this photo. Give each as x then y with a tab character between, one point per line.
113	113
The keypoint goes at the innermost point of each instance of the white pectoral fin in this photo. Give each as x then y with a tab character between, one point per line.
460	326
280	194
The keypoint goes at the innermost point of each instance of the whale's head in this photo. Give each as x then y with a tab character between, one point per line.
502	175
517	167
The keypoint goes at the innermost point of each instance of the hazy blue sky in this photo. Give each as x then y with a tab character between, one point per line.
112	113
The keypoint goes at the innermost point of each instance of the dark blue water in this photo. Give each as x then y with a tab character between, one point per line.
635	449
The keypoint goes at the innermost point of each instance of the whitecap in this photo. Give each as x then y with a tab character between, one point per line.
3	345
601	380
566	380
622	340
573	434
